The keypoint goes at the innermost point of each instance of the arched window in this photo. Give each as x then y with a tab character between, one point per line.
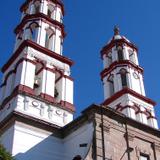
109	57
33	31
132	56
123	74
36	7
111	85
50	11
49	39
120	54
77	157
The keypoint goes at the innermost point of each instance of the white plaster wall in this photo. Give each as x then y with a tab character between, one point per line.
29	74
49	60
31	143
68	90
50	83
43	111
27	142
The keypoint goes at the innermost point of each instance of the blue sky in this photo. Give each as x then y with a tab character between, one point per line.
89	25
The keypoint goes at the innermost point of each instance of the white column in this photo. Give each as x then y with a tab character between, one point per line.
25	74
47	87
68	90
142	85
29	74
125	53
20	74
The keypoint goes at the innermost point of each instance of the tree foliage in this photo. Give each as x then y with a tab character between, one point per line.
4	154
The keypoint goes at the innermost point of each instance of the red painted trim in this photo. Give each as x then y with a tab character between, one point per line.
18	89
53	70
59	2
116	64
28	43
21	89
68	77
39	16
128	91
68	105
106	49
152	117
26	89
121	108
48	97
142	112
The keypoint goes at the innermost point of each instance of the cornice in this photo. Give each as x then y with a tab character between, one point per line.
29	43
39	16
59	2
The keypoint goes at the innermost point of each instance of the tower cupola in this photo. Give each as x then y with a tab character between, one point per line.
122	79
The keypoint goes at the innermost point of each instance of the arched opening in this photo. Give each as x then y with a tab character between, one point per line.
49	43
19	37
78	157
33	27
132	56
36	7
111	85
120	54
50	11
109	58
123	74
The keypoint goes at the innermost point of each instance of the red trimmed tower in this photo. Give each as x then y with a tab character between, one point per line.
123	81
37	84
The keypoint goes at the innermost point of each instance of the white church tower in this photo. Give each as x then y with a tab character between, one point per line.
37	85
123	81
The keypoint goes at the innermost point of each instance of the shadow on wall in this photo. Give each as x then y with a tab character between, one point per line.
50	148
40	145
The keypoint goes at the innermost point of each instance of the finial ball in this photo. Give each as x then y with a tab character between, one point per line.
116	30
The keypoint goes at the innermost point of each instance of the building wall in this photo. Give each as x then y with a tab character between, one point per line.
115	138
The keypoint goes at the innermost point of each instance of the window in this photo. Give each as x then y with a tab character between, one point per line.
132	56
120	55
36	8
111	85
33	31
144	157
123	74
49	39
109	57
50	11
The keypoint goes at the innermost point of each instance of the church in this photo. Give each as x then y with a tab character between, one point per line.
36	97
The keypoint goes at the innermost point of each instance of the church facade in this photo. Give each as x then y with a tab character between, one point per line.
36	97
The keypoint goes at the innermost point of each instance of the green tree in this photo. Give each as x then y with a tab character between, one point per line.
4	155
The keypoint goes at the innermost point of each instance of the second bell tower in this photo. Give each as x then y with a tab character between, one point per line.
123	80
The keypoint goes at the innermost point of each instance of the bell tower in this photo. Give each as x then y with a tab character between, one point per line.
123	83
37	84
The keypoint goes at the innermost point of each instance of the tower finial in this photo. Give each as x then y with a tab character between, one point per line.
116	30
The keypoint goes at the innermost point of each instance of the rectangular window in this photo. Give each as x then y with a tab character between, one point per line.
144	157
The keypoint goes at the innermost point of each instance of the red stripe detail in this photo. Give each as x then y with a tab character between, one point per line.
106	49
28	43
116	64
39	16
48	97
128	91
